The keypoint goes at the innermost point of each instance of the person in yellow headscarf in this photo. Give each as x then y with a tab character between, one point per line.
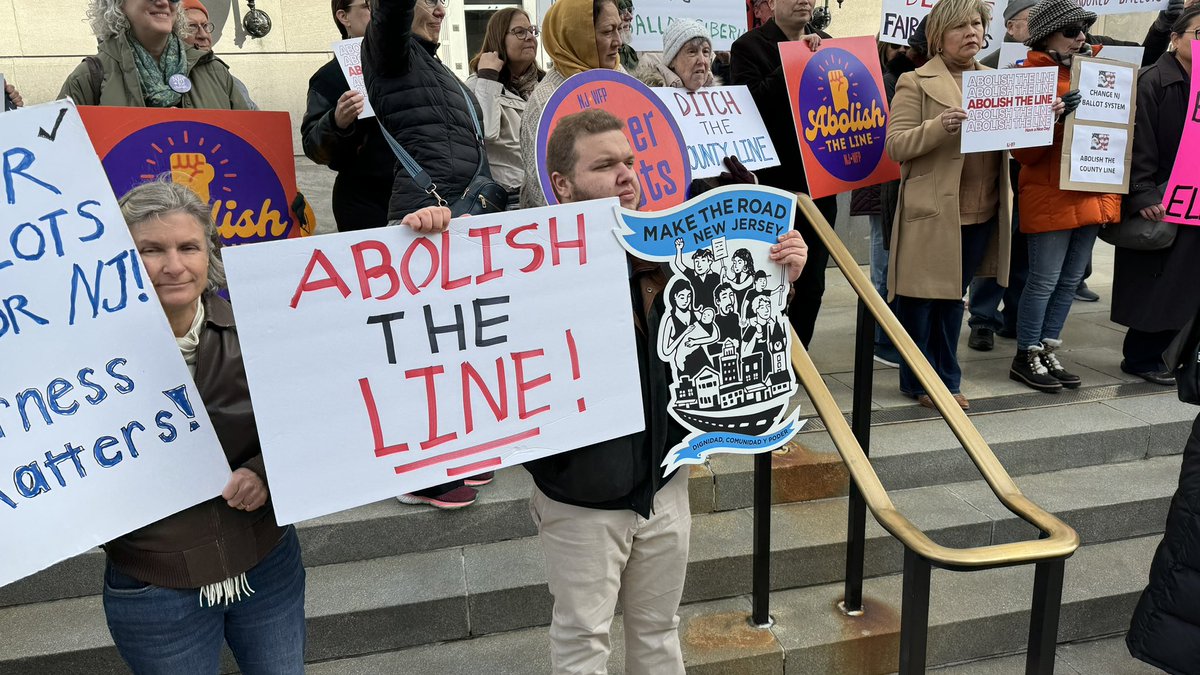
574	45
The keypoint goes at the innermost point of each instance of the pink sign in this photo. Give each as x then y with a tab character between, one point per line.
1182	198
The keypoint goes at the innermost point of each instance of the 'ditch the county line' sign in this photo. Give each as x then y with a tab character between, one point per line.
101	429
507	338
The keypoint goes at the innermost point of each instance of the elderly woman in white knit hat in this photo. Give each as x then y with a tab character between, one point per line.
686	61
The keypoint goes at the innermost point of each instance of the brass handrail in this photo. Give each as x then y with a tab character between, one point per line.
1059	539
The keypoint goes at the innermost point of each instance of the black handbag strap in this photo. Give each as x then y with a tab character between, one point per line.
418	174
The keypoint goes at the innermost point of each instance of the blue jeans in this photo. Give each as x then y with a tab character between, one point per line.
165	631
879	274
1056	264
934	324
986	293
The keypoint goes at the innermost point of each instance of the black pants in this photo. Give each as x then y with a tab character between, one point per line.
810	286
1143	350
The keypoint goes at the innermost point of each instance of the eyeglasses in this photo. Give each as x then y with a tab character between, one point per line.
523	33
432	4
202	27
1071	32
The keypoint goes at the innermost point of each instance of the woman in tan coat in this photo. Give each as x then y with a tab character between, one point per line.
952	216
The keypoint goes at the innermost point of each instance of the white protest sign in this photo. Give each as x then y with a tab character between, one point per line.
1124	54
1107	91
1012	55
720	122
1008	108
1098	154
349	57
508	338
101	429
901	17
725	21
1122	6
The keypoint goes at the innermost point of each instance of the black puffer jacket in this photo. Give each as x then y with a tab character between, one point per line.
422	105
1165	631
359	154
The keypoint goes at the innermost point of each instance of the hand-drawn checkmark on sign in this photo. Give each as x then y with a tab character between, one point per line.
53	133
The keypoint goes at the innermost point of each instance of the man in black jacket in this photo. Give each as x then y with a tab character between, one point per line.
332	134
755	62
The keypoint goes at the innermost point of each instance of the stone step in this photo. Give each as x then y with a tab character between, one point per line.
907	455
1103	656
973	616
392	602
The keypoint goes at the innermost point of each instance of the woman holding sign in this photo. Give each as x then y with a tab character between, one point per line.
223	571
1061	225
952	213
1154	292
142	61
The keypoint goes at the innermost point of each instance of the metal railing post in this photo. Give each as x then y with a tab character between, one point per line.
760	593
914	614
1043	617
860	421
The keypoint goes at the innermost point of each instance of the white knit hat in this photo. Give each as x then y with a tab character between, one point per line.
679	33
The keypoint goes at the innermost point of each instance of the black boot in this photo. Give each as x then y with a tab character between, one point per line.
1068	380
1027	368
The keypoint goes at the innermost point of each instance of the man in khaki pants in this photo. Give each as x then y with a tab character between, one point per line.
611	527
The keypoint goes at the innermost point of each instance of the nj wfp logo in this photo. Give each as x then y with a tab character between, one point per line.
226	171
845	122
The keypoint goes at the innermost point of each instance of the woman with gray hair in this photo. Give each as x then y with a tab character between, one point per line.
221	571
142	61
686	60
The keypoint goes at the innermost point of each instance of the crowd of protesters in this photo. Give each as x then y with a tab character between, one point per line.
992	227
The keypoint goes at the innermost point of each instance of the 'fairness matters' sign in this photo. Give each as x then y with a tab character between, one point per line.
101	429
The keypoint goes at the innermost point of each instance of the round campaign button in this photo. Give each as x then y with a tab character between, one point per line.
180	83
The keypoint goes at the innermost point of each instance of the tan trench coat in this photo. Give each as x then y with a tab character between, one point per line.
926	246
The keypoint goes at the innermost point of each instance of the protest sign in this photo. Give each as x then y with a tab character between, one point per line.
723	19
505	339
1122	6
349	57
240	162
1008	109
901	18
661	156
725	330
101	429
1183	188
719	122
1107	91
840	112
1096	150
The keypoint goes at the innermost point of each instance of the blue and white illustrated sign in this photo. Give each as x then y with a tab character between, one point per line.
102	430
724	328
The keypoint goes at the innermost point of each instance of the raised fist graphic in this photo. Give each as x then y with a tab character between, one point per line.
192	170
839	86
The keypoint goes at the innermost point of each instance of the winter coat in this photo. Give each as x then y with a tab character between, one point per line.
1157	290
1165	630
889	192
422	105
359	154
531	188
926	245
212	85
1044	206
625	472
502	108
212	541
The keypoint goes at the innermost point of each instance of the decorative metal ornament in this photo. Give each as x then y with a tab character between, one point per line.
822	17
256	22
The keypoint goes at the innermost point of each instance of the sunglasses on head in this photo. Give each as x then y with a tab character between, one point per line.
1072	32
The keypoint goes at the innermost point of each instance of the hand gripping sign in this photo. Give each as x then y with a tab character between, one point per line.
101	429
724	330
662	165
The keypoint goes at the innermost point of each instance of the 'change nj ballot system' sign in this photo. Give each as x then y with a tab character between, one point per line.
101	429
507	338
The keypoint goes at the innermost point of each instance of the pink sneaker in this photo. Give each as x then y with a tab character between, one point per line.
480	479
454	499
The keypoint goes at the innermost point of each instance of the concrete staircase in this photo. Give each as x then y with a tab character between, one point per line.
397	589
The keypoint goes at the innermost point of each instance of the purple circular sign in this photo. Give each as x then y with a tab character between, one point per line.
248	201
844	111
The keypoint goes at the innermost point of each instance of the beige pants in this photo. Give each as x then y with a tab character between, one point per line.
596	557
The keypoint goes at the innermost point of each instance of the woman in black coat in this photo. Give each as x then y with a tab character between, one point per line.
1155	292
